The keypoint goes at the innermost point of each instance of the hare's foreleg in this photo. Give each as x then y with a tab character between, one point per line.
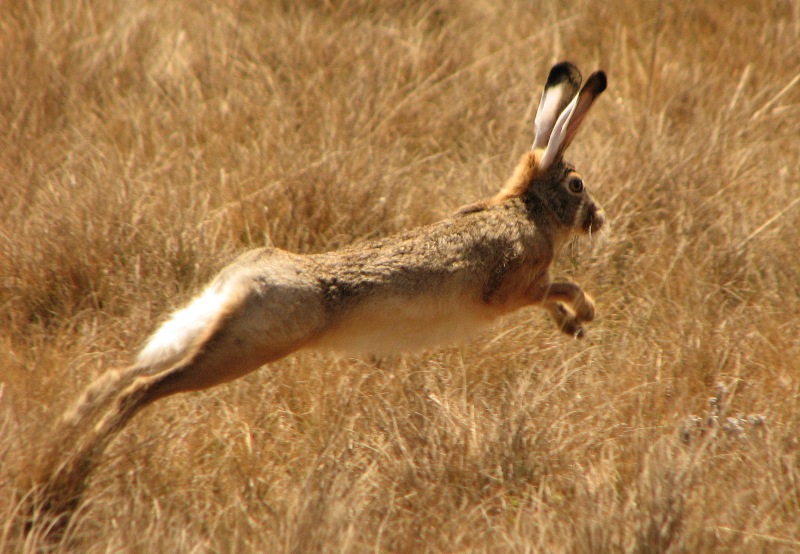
565	319
567	303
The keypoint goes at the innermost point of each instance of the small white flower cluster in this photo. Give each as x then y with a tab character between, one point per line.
736	427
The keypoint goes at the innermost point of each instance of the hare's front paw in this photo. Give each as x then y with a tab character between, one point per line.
568	321
569	305
584	308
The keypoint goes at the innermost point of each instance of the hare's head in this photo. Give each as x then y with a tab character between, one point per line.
543	179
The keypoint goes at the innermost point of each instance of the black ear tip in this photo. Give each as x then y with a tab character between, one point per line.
563	72
597	82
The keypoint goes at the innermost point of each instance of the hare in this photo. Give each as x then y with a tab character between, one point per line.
427	286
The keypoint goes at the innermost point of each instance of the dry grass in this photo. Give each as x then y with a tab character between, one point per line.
145	143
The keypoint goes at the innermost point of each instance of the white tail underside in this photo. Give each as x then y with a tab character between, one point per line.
176	335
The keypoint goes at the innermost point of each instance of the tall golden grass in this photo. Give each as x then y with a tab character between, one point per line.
144	144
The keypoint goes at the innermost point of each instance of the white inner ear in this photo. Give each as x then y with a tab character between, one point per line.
546	116
558	134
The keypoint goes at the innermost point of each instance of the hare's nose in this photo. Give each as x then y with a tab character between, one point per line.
597	218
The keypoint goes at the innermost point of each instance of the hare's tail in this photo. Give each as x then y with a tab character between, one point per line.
109	402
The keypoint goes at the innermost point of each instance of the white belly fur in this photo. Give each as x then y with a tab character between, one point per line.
402	324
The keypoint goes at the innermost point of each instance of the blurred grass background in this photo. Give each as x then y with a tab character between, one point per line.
143	145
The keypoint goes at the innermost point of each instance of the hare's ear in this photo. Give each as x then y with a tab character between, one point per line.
562	84
570	119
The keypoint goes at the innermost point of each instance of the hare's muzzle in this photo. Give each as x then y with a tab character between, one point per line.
595	218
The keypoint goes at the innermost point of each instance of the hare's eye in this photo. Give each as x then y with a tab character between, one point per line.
575	185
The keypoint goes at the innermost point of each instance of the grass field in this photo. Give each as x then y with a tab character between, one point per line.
144	144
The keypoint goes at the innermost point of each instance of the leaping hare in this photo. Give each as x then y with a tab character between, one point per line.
423	287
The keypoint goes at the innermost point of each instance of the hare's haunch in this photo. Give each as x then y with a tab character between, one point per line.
426	286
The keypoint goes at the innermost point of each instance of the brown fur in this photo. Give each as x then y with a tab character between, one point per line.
519	181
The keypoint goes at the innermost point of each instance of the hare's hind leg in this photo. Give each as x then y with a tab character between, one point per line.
227	332
215	363
225	356
269	306
263	326
113	400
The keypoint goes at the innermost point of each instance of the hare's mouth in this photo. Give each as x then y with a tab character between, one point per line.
594	220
